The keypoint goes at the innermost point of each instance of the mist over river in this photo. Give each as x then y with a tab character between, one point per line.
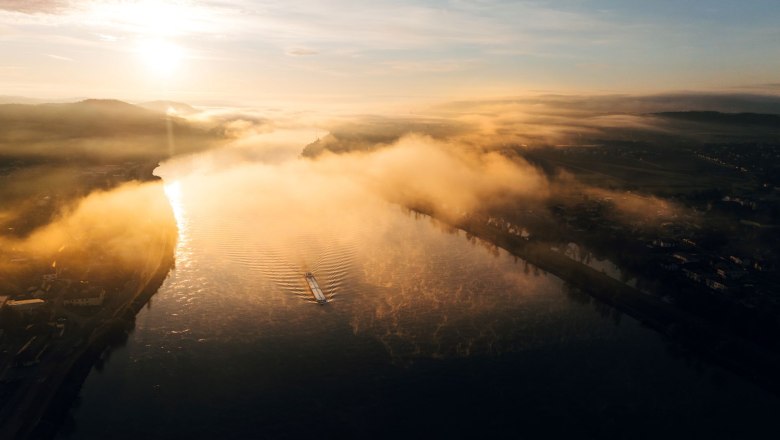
427	332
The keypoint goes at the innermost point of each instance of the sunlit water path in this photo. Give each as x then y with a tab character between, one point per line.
427	332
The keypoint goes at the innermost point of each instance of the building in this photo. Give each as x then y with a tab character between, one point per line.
685	258
40	294
715	285
25	305
91	297
663	243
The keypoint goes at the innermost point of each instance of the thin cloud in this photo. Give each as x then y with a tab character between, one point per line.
35	6
384	25
58	57
107	38
301	51
380	45
434	66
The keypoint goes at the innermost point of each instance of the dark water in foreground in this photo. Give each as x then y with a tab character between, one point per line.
428	333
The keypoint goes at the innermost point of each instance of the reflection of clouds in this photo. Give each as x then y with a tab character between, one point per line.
436	295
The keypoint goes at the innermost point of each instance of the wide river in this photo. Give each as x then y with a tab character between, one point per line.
428	332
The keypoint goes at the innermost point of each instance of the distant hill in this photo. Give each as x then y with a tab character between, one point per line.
7	99
178	108
10	99
97	128
711	117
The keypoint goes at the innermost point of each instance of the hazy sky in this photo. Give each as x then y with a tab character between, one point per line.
256	51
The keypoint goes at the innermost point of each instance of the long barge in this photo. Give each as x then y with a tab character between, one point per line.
315	288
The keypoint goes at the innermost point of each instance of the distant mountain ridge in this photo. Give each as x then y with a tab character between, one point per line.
12	99
713	117
98	127
84	118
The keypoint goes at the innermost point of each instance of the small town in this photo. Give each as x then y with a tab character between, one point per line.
62	309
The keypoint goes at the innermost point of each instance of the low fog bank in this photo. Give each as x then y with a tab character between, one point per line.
115	222
450	159
549	121
461	157
445	177
104	232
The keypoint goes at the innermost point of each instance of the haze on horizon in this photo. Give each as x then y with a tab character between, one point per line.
247	52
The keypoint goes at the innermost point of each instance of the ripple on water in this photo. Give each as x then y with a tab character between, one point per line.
283	261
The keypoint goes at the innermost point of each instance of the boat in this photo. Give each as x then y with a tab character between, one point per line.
315	288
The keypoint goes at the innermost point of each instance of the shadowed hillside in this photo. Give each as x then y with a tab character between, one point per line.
97	129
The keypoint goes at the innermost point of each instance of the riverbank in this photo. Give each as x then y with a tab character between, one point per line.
691	332
39	396
40	407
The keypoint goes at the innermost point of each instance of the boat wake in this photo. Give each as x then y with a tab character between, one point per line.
330	261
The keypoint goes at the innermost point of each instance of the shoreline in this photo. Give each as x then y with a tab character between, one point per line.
48	402
37	407
104	338
714	343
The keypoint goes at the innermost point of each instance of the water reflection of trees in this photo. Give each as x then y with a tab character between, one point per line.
444	299
498	341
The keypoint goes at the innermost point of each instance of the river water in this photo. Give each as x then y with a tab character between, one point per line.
427	332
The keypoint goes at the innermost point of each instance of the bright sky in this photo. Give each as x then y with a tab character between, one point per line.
249	51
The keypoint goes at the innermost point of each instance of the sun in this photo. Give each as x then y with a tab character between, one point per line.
154	29
161	57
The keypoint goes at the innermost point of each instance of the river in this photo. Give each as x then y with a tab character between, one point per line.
428	332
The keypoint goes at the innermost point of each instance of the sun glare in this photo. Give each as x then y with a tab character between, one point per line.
154	26
160	57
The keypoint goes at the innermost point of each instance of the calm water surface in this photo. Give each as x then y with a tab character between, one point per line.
428	332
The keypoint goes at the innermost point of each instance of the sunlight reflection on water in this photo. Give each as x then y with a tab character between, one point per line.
173	192
392	275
